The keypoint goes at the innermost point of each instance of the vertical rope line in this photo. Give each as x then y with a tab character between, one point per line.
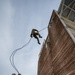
11	58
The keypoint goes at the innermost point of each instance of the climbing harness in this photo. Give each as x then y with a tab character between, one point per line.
11	58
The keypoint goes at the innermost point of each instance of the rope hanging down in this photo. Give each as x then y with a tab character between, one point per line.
11	58
13	54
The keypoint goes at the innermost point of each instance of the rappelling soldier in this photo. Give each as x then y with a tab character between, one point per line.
35	34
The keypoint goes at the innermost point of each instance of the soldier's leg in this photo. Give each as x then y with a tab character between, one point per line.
19	74
39	35
37	39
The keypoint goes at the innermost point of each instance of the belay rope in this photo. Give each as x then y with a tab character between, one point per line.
11	58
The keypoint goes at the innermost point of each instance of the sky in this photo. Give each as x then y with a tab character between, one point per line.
17	18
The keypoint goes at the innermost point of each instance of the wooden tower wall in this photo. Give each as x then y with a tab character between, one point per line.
58	52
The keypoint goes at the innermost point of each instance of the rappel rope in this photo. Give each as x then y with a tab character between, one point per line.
11	58
13	54
42	29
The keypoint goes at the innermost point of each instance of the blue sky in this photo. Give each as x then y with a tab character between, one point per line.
17	18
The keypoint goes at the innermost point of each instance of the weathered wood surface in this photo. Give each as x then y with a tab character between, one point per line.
58	52
45	63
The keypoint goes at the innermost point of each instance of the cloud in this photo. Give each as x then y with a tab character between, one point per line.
6	39
5	25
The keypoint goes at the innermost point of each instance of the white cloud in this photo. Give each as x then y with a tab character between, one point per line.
6	39
5	25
